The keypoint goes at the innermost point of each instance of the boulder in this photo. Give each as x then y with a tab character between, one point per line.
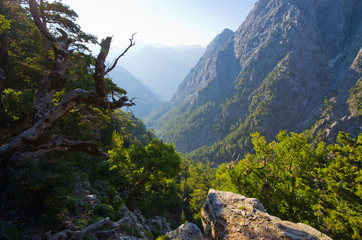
187	231
136	220
227	215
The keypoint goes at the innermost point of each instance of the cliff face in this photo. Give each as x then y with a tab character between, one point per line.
273	73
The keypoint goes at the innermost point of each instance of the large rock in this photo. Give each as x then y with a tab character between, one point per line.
227	215
187	231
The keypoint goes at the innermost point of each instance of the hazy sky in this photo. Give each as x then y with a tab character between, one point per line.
167	22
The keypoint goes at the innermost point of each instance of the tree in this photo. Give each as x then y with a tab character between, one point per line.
340	204
195	182
40	139
281	174
145	175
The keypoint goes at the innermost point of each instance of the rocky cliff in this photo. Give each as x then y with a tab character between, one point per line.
227	215
275	72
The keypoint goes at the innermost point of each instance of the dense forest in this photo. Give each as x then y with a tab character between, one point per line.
64	137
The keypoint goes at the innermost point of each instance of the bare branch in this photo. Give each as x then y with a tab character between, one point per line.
131	44
90	231
63	144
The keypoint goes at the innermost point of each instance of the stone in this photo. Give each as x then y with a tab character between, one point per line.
158	224
227	215
187	231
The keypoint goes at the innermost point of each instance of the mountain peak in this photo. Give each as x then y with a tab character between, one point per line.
218	42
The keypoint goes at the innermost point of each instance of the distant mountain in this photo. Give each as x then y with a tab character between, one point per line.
162	69
292	65
145	99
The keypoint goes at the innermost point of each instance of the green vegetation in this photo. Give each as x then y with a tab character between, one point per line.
355	99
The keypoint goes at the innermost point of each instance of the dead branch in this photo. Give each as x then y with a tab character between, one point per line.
63	144
48	121
91	231
131	44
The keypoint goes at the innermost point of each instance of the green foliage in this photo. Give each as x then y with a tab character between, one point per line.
132	129
162	238
146	175
195	182
104	210
72	206
15	105
186	125
340	205
355	99
290	161
40	190
4	24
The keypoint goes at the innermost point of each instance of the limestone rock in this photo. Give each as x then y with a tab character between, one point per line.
227	215
158	224
137	221
187	231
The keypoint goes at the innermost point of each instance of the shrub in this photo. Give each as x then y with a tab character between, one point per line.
104	210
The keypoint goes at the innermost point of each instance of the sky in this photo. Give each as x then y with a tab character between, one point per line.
166	22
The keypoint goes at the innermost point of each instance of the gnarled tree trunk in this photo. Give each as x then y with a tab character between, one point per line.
39	139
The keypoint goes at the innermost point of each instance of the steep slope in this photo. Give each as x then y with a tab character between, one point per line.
162	69
273	73
145	99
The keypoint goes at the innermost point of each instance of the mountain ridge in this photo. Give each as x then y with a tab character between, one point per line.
162	68
273	73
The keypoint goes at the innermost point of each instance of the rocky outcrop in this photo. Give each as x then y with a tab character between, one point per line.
227	215
137	221
132	225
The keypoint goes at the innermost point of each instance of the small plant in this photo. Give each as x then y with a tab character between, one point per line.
241	208
81	223
72	206
163	238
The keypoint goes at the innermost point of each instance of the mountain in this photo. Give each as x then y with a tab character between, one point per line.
145	99
162	69
290	65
